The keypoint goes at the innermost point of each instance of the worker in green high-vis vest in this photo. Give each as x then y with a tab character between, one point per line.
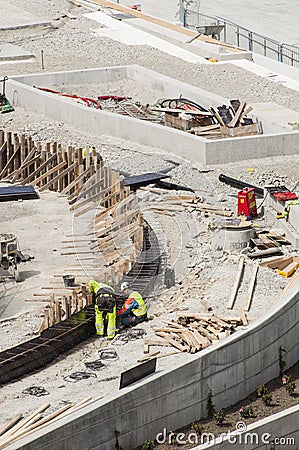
105	308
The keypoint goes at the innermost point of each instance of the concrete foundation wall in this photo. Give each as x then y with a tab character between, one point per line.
281	428
232	369
201	151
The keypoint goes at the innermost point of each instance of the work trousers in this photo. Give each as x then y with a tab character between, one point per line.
100	317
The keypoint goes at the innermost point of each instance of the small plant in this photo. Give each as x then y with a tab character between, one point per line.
148	445
219	417
262	390
282	363
117	444
210	405
288	384
197	427
290	387
246	412
267	399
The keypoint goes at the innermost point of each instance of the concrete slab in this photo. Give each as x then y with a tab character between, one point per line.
15	17
125	33
10	52
274	19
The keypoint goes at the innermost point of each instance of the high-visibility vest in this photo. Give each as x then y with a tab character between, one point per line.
94	286
141	310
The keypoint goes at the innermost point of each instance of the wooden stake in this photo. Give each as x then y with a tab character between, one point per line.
232	299
251	288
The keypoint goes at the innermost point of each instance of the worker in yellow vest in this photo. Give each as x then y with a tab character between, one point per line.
133	310
105	308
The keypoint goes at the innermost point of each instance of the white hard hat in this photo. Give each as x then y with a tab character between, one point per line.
124	285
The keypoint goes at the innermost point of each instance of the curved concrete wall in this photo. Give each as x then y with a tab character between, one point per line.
232	368
281	428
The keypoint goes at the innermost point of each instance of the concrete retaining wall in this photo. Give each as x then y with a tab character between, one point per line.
281	429
201	151
232	368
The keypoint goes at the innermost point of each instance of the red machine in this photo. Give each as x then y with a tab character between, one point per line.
285	196
247	202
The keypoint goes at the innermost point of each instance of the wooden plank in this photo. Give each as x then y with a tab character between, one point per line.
6	167
149	356
206	305
251	288
155	342
146	348
49	172
218	117
206	334
169	330
288	270
233	296
10	424
171	341
243	317
58	177
67	189
176	208
237	116
27	419
204	341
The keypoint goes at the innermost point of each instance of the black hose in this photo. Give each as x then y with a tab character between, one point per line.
238	184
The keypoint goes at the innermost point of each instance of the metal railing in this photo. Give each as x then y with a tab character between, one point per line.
246	39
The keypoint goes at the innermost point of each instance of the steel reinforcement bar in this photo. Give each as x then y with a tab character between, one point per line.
36	353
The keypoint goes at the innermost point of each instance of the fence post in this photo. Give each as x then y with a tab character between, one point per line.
250	41
280	53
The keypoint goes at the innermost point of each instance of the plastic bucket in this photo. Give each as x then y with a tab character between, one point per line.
69	280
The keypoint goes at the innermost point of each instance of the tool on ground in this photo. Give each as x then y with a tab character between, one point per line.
9	256
247	202
5	105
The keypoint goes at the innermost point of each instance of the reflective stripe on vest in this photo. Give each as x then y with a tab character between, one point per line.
141	305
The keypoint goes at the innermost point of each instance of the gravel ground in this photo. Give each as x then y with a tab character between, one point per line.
79	48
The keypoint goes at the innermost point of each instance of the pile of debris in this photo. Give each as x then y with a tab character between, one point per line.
180	113
183	114
231	121
193	332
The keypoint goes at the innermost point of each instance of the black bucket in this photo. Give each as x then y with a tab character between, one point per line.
69	280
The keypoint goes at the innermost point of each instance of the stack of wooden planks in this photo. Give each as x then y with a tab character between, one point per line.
285	266
232	122
179	203
193	332
269	239
19	427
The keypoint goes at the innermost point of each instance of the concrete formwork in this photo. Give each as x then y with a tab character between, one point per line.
232	369
21	92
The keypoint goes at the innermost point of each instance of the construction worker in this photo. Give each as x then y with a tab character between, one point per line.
133	310
105	308
285	213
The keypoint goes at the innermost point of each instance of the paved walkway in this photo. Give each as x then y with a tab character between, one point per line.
12	16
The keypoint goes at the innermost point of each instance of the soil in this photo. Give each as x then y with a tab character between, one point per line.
281	400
